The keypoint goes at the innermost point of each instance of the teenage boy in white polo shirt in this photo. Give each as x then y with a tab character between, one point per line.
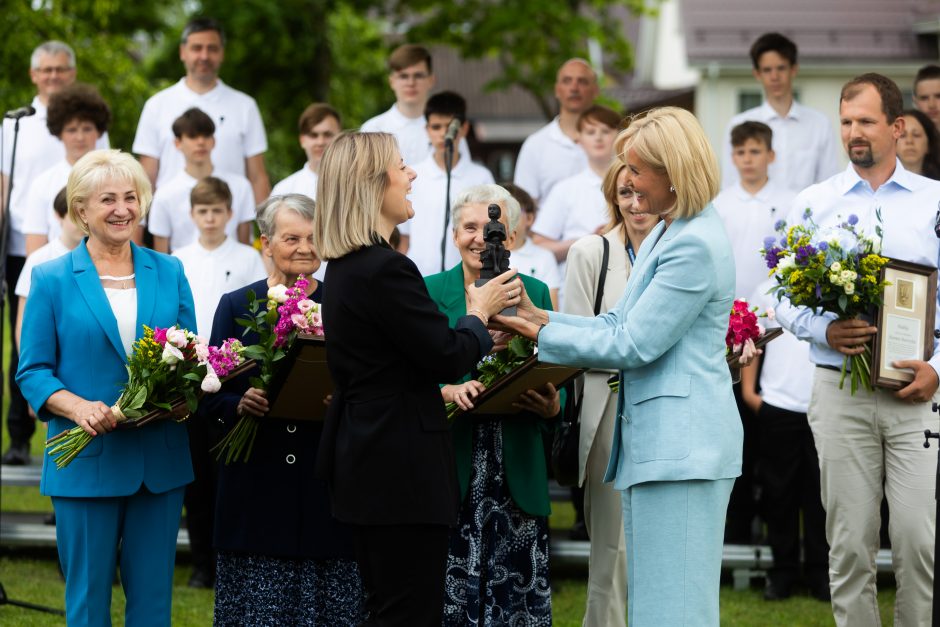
241	141
576	206
411	77
421	235
214	265
318	126
552	153
750	207
169	219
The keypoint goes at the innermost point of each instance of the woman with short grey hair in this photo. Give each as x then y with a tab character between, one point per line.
283	559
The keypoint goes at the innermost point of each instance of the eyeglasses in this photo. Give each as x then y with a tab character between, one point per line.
414	76
47	71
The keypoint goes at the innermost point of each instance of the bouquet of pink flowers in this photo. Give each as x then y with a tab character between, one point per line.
742	326
168	369
284	314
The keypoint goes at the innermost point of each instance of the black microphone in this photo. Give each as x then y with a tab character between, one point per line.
452	129
22	112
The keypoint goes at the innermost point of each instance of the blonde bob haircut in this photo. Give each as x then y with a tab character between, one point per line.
352	179
671	141
98	168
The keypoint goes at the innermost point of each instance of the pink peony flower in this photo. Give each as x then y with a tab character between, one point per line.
211	383
202	353
177	337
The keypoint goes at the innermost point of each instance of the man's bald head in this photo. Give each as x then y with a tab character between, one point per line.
576	86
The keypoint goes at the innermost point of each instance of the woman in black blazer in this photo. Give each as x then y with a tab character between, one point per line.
386	449
283	559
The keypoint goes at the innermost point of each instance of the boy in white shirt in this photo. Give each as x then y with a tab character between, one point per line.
215	264
68	238
525	255
318	126
749	209
169	218
421	236
751	206
575	206
78	116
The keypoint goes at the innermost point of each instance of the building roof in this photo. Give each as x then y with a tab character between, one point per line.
825	30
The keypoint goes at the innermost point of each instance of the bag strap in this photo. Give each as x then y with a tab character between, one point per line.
603	276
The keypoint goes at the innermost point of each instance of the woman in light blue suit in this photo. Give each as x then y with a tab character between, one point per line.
84	311
677	444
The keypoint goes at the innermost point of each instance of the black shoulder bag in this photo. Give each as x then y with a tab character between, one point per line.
568	435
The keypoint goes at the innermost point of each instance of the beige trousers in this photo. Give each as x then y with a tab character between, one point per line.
866	441
603	515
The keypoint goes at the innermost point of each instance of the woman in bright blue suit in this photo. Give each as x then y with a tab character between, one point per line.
677	444
84	312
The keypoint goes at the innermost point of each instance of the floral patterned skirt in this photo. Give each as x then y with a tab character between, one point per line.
497	566
254	590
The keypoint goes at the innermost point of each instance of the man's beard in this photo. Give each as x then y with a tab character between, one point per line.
863	160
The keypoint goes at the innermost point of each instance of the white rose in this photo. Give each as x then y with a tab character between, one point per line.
786	263
211	383
836	267
850	288
278	293
171	354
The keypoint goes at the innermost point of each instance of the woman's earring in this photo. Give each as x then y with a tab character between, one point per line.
672	189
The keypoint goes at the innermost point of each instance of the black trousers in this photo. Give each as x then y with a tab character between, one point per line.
20	425
789	475
402	569
199	497
742	507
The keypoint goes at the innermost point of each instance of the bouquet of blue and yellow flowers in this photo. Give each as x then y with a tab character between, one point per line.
833	269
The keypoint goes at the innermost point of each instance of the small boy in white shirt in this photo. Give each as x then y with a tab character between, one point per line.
215	264
750	207
318	126
169	218
526	256
68	238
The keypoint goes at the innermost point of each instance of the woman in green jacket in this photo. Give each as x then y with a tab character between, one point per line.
497	567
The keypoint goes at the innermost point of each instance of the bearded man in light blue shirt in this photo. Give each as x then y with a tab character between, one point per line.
870	443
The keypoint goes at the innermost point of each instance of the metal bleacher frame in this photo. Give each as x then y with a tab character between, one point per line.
744	562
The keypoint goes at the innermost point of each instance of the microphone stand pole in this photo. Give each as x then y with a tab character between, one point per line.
448	166
4	246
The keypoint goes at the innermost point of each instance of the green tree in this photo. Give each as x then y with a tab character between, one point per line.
529	38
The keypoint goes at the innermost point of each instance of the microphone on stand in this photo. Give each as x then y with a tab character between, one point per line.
452	129
22	112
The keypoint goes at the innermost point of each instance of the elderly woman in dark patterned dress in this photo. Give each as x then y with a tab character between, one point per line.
283	559
497	566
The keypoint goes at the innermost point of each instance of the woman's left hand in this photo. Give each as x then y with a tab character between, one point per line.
545	402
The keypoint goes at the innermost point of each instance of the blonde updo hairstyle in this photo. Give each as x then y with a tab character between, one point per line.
671	141
98	168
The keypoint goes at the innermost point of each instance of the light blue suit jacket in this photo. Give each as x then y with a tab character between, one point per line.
678	418
71	341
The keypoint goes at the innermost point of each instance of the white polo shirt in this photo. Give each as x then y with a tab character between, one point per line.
53	250
574	208
908	206
786	378
411	134
213	273
748	220
426	228
171	211
40	218
537	262
804	143
37	150
303	181
239	131
547	156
